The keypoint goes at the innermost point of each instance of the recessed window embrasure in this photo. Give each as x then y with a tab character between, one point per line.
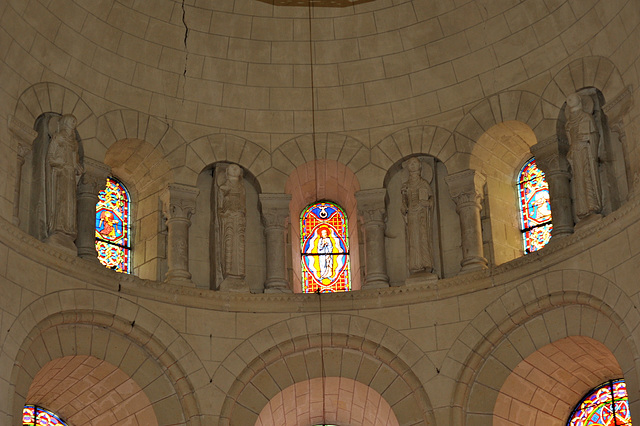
113	233
324	245
535	208
606	405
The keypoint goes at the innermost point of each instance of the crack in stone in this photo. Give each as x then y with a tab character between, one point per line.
186	51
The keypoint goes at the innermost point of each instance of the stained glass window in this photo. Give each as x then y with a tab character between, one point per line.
32	415
112	227
324	245
606	405
535	208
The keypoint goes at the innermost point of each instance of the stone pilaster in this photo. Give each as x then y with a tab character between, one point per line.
22	136
466	189
275	211
551	158
372	209
91	183
178	205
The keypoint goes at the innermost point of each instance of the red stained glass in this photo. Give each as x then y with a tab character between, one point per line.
113	228
324	245
535	208
37	416
606	405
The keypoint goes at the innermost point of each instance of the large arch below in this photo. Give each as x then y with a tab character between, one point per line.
328	400
544	388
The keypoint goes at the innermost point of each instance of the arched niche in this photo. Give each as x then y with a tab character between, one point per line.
445	225
316	181
83	389
327	400
506	147
546	386
205	238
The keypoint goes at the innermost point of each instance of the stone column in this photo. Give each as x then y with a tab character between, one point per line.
275	211
551	158
466	189
23	136
372	209
91	183
178	205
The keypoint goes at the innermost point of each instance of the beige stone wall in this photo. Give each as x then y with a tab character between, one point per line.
474	84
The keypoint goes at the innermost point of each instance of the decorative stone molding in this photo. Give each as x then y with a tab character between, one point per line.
178	205
22	136
551	158
91	183
371	207
275	212
466	189
616	108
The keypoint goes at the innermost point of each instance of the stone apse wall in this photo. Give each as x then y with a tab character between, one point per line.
475	87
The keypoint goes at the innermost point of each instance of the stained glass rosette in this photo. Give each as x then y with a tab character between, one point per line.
325	249
607	405
533	191
38	416
112	227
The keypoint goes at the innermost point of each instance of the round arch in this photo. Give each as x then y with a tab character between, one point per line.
532	315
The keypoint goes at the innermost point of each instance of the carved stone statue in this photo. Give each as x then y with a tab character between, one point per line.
417	209
63	168
232	219
584	140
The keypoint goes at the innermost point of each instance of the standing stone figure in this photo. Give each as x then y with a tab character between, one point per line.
417	209
232	217
584	140
62	170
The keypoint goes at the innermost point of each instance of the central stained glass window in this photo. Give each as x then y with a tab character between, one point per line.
32	415
324	244
535	209
112	227
606	405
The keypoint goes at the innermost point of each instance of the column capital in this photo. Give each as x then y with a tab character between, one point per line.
22	135
275	209
551	155
179	201
94	177
466	187
372	204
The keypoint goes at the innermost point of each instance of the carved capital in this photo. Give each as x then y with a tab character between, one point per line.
22	135
372	204
275	209
551	155
179	201
466	187
94	177
616	108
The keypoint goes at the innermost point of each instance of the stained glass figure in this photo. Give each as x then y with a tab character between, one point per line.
324	245
32	415
606	405
535	208
112	227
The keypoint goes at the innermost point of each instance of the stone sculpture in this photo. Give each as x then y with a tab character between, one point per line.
584	140
232	219
63	168
417	210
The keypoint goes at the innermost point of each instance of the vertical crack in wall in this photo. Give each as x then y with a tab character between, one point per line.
186	51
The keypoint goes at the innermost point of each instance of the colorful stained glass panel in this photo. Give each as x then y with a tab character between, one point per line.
535	207
607	405
324	245
112	227
38	416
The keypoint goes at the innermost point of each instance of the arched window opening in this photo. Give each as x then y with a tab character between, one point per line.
113	231
535	209
606	405
324	246
32	415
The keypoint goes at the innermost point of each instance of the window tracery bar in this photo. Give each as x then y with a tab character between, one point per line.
113	227
606	405
32	415
324	247
535	208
